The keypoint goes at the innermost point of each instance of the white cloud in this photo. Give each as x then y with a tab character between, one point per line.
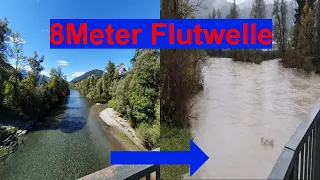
77	74
63	63
27	68
45	73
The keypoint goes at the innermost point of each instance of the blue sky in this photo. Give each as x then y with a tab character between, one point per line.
32	19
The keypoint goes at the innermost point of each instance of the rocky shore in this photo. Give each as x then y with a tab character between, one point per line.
11	137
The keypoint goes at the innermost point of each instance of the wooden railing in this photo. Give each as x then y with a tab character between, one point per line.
300	158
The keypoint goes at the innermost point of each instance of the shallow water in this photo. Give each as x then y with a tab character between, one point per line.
71	143
240	104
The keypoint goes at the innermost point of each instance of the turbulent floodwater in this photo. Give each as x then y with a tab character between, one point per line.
71	143
240	104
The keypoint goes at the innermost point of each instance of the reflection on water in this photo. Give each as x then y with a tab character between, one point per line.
242	109
69	144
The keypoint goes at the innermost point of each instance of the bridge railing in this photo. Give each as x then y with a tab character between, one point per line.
300	158
127	172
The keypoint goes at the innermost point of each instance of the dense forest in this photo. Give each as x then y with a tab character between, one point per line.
297	47
25	95
133	93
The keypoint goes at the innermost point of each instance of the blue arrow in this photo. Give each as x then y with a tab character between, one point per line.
195	157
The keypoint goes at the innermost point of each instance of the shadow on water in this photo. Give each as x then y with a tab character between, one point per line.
70	124
69	117
69	143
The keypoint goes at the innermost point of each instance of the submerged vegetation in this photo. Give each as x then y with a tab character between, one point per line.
133	93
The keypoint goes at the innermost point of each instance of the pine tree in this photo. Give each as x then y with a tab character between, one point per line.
233	14
297	17
280	26
4	38
219	14
35	65
17	55
213	14
284	30
305	39
258	9
317	50
299	10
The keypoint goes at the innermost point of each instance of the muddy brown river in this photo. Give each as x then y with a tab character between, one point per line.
246	114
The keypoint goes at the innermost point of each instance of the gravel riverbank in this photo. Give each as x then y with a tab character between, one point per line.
113	119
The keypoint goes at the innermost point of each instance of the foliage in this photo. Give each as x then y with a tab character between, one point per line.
280	26
213	14
23	95
317	50
219	14
174	139
134	94
299	9
258	9
305	39
233	14
4	38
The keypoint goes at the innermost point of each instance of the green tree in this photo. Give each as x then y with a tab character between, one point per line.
9	98
233	14
297	17
317	50
36	67
258	9
120	96
213	14
107	81
23	95
144	86
305	40
17	55
299	10
219	14
44	81
283	29
5	33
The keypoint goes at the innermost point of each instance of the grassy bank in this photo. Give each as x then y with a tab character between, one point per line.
126	141
174	139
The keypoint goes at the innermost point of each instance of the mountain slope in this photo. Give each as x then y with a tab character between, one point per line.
24	74
41	77
95	72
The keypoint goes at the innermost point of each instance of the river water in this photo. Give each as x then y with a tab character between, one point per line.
242	103
71	143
